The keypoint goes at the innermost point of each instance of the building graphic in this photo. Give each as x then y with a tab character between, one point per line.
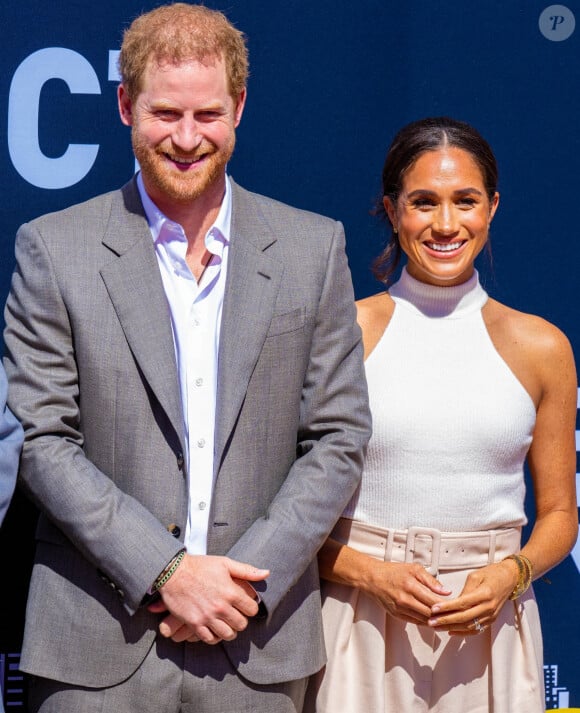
12	682
556	696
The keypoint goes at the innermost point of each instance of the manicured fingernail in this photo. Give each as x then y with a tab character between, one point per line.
433	622
435	608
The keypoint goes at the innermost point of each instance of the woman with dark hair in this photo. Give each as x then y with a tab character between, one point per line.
426	587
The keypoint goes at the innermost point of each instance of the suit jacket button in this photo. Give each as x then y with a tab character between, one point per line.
175	530
180	460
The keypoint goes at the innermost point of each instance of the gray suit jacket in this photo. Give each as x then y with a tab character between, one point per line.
90	358
10	445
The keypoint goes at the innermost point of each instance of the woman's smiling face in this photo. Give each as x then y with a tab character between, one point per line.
442	216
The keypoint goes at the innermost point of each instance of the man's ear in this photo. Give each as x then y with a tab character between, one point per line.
125	106
240	104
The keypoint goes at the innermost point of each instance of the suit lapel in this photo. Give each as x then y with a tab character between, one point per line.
252	284
136	291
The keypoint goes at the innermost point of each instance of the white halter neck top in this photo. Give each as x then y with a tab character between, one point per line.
451	422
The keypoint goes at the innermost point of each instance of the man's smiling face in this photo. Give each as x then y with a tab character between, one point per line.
183	129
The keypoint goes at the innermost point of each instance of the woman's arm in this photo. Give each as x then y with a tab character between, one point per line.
552	462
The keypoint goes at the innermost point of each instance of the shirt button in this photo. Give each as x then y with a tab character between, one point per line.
196	322
202	505
201	443
199	382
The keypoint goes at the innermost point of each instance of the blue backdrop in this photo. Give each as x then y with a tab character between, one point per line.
330	84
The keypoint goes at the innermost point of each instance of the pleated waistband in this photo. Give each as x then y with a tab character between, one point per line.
431	548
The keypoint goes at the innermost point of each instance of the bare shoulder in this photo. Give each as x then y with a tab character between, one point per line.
373	315
538	353
529	331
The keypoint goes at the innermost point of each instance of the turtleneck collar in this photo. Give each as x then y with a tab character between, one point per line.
432	301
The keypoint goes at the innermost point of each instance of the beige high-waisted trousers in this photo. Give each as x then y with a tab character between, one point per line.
380	664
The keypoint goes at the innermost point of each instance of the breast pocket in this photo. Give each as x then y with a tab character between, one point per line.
287	322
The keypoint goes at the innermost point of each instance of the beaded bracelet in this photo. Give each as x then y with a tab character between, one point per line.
168	572
525	575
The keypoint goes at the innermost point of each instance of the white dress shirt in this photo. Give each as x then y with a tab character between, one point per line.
196	310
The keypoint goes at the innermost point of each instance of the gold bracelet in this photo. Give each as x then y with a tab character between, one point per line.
529	572
525	575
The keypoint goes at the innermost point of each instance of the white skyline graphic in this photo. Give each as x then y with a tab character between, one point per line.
557	696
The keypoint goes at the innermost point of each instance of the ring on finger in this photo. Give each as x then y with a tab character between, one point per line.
478	626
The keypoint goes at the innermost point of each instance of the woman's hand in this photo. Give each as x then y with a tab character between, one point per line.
484	594
406	591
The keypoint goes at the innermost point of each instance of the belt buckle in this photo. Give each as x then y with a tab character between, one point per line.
435	535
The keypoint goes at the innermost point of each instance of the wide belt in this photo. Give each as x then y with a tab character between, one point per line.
429	547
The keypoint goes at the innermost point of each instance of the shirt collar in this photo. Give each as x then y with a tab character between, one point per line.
220	230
